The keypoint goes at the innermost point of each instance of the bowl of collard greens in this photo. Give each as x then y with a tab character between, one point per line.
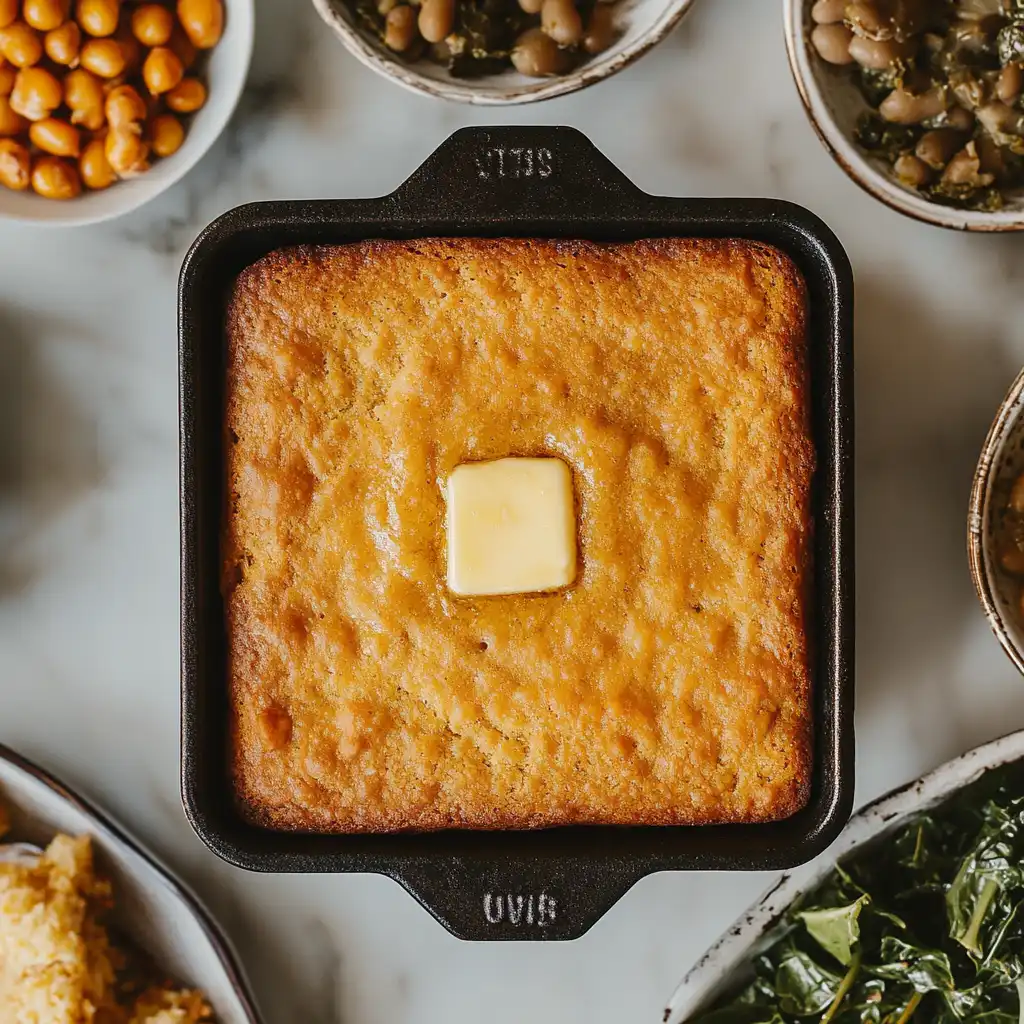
915	914
936	133
477	67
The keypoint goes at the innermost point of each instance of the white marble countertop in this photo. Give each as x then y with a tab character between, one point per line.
89	512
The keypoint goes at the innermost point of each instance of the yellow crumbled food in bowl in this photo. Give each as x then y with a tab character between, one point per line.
57	962
166	1006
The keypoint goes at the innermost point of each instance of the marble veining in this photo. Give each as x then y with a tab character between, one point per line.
88	497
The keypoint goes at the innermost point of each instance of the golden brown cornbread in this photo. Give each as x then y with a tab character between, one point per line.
668	684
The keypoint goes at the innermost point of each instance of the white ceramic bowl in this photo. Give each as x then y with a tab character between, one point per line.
228	65
833	104
1000	463
720	967
151	906
641	24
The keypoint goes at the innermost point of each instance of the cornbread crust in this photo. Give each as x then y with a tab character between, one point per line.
668	685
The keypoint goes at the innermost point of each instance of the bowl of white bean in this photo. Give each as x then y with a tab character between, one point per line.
921	102
499	52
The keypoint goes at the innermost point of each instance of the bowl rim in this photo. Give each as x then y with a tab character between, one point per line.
978	515
245	11
114	834
601	67
856	165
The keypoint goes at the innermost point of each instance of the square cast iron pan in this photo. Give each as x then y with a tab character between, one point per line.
513	181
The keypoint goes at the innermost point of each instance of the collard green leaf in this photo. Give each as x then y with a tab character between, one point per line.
924	970
835	929
744	1013
803	986
983	898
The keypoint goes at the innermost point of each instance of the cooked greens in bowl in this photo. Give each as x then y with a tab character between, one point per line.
923	923
943	80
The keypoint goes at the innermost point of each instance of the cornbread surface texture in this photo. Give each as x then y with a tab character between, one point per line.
668	684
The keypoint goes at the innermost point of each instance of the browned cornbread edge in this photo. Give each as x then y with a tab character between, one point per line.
781	281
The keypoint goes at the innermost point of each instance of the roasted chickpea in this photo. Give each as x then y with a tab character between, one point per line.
162	70
36	93
103	57
83	94
11	122
45	15
828	12
436	19
560	20
131	49
9	10
94	168
21	45
15	165
187	96
124	107
98	17
8	73
531	6
600	29
182	46
52	135
400	28
62	44
536	54
126	152
203	21
54	178
166	135
832	42
152	24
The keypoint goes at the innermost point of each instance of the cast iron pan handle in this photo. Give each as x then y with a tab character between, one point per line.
517	898
514	172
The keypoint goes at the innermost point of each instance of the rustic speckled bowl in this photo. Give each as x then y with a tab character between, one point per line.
728	960
1000	462
833	103
641	25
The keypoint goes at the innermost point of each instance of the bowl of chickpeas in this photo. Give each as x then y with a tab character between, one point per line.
921	102
104	104
995	529
499	52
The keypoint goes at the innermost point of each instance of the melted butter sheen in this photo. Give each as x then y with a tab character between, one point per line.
669	683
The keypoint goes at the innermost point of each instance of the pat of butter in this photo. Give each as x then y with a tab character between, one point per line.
511	527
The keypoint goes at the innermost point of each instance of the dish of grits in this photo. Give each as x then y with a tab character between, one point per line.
59	963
